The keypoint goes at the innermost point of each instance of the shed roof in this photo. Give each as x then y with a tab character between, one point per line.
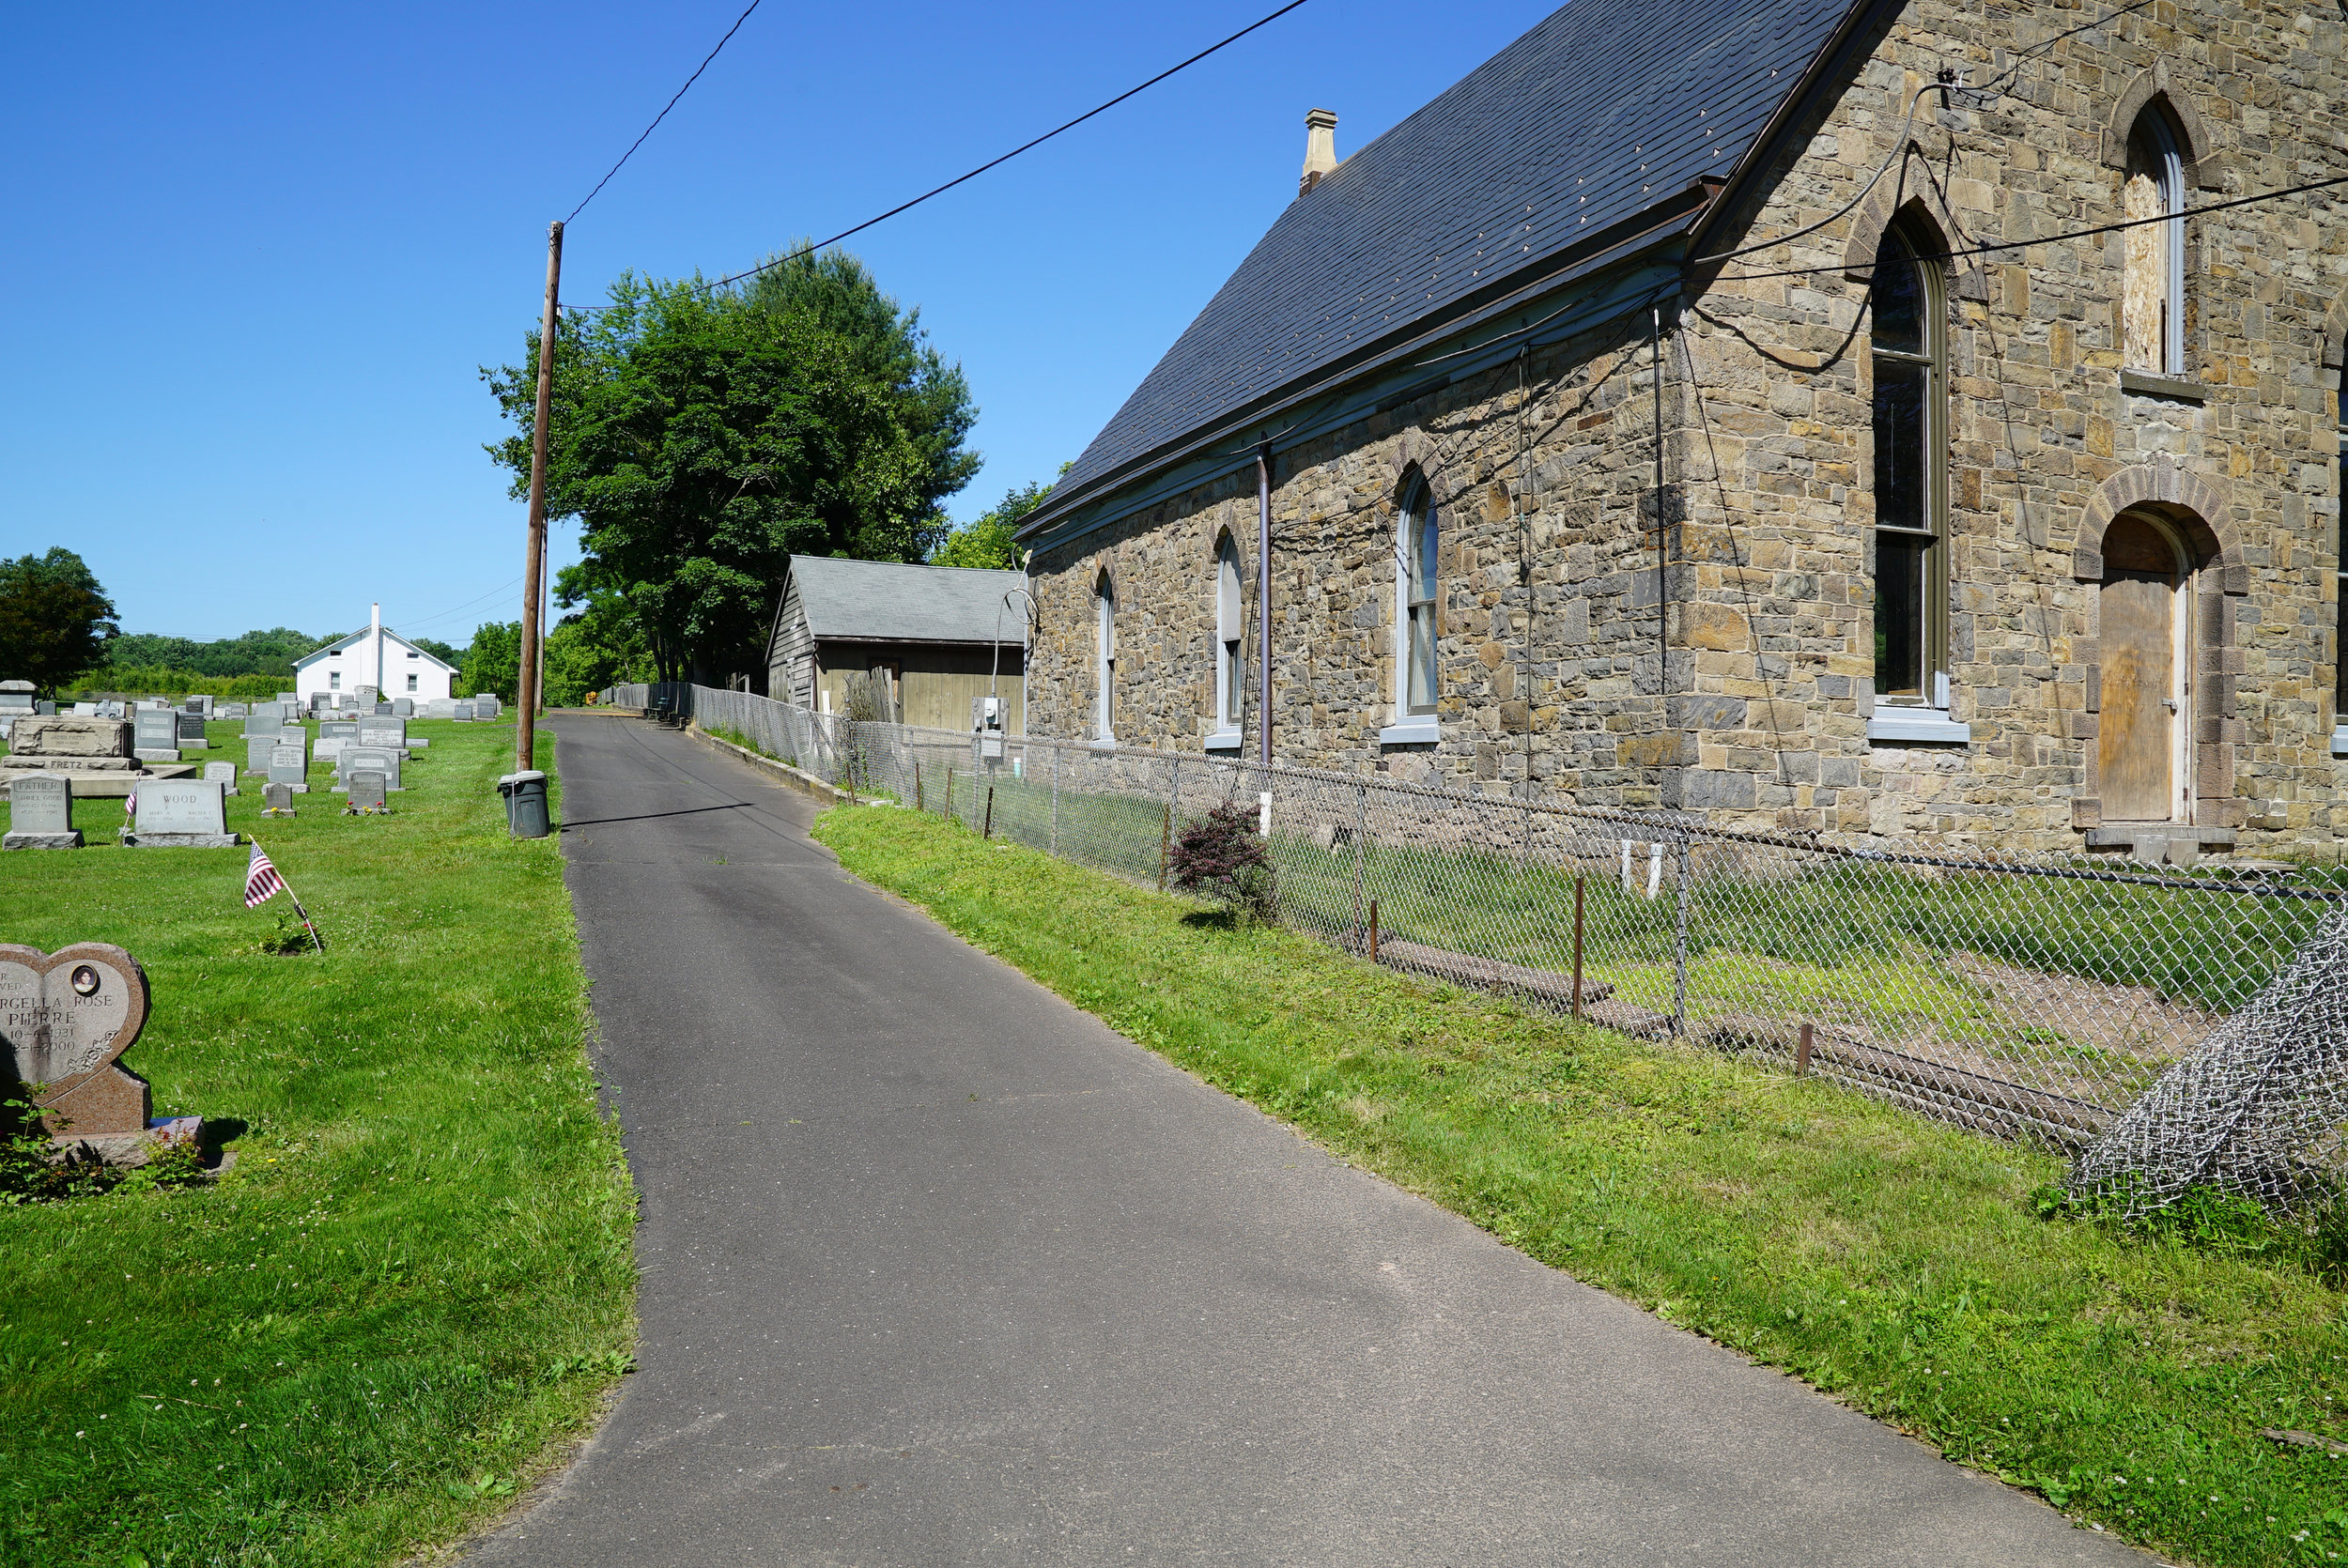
1601	110
884	601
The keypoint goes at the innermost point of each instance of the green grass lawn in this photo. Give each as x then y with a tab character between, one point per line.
418	1274
1901	1266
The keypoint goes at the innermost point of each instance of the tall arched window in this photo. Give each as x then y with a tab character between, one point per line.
2153	294
1416	627
1230	642
1910	359
1104	660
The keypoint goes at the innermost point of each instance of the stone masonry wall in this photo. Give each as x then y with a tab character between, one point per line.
1552	684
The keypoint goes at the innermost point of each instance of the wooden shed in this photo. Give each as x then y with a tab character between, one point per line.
927	633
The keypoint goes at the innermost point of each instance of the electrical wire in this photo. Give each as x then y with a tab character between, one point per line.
662	116
1898	148
2190	212
459	610
959	179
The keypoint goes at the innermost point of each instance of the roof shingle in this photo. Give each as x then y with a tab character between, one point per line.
1601	110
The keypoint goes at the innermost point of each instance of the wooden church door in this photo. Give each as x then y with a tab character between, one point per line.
2141	756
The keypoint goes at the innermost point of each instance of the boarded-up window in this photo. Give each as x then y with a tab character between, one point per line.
1415	628
1230	638
2153	295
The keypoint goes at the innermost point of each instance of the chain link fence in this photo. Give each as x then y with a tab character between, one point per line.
2030	1000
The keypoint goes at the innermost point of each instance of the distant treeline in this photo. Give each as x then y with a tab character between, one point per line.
163	682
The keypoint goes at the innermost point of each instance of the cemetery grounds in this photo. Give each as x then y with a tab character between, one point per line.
414	1285
1929	1277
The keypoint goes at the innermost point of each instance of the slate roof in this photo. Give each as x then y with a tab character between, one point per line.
880	601
363	633
1600	111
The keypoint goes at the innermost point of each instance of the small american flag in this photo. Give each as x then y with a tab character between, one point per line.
261	881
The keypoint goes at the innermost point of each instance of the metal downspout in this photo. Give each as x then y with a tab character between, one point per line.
1264	604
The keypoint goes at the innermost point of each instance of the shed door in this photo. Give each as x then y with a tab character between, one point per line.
2142	641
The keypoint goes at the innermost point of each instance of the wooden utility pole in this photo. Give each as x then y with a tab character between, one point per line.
534	569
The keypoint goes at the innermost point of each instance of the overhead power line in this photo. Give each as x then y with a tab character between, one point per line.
664	112
992	163
1993	248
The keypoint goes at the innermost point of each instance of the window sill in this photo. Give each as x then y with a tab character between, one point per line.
2173	387
1102	742
1931	726
2340	741
1417	729
1226	740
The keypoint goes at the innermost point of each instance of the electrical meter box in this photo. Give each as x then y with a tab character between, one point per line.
986	726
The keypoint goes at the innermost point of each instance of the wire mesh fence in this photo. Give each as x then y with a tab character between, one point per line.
2039	1001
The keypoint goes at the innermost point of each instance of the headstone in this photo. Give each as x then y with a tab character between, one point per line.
224	775
487	705
40	813
382	758
46	707
344	727
330	748
179	813
277	800
85	710
289	698
463	715
403	707
366	697
63	1018
156	734
16	697
290	766
229	710
367	787
192	736
200	702
383	731
264	719
440	707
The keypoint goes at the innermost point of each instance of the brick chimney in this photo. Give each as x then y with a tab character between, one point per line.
1321	149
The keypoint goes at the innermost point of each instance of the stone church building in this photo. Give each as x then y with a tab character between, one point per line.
1903	418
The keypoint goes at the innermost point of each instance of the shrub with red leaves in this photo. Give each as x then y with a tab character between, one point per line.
1220	856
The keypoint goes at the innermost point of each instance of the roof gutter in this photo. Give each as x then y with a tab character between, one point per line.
1661	222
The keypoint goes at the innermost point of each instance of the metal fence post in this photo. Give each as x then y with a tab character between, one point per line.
1680	940
1056	751
1361	838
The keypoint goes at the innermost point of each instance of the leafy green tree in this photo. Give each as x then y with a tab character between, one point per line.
54	619
494	661
989	540
702	435
597	644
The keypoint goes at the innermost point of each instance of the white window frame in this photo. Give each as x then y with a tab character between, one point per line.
1414	722
1105	661
1230	650
2340	572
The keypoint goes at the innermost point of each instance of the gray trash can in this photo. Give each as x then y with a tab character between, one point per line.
525	795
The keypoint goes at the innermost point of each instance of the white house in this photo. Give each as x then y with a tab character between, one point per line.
377	657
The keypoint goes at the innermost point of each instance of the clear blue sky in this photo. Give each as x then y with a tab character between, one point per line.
257	251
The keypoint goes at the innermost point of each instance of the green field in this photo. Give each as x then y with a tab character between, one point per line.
1914	1271
415	1280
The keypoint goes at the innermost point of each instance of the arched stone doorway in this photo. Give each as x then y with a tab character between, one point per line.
2157	779
2144	610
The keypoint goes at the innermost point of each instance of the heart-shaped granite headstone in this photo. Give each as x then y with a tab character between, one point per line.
63	1018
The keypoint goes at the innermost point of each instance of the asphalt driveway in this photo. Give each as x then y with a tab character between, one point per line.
940	1270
